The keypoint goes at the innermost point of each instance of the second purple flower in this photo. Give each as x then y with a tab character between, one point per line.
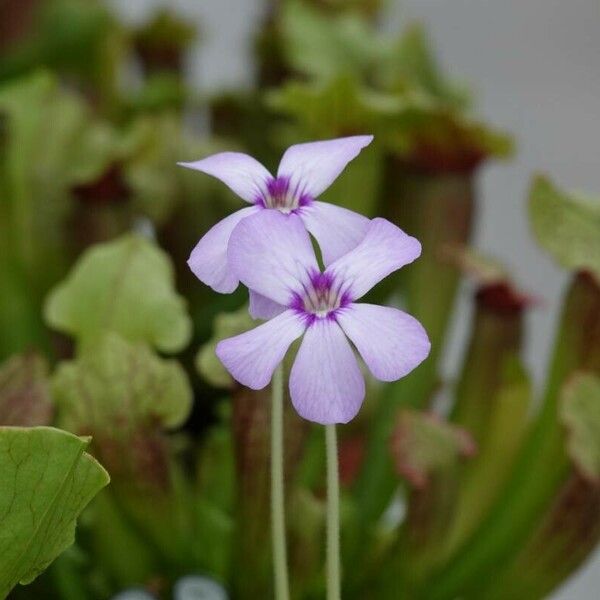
273	256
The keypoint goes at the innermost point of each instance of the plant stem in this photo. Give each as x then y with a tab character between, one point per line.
280	569
333	516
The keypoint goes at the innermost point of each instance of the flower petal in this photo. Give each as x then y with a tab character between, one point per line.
313	167
391	342
262	307
208	260
384	249
251	357
271	253
241	173
326	383
338	230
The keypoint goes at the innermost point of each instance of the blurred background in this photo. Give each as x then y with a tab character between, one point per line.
178	80
535	68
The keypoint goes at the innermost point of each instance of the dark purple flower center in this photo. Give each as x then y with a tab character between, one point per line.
284	196
321	297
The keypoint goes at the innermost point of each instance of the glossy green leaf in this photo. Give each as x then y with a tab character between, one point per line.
580	413
566	225
125	286
115	386
46	480
24	391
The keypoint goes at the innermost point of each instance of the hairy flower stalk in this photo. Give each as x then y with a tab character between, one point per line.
280	568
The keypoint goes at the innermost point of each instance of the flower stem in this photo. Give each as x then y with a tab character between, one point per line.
333	516
280	569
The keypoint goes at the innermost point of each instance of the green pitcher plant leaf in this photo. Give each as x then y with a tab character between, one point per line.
566	225
411	63
115	386
51	142
415	126
125	286
325	46
580	414
46	480
423	443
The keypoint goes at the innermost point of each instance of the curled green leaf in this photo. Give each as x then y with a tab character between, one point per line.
46	480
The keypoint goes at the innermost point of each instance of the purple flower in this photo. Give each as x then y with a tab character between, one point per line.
272	254
305	172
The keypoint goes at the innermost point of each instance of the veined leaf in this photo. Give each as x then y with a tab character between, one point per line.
125	286
46	480
116	387
566	225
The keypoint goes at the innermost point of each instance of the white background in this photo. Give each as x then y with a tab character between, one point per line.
536	67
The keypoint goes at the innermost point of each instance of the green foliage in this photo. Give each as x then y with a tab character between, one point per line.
580	413
125	286
165	28
46	480
115	386
51	144
410	63
410	124
151	146
24	391
566	225
423	445
322	46
225	325
68	35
